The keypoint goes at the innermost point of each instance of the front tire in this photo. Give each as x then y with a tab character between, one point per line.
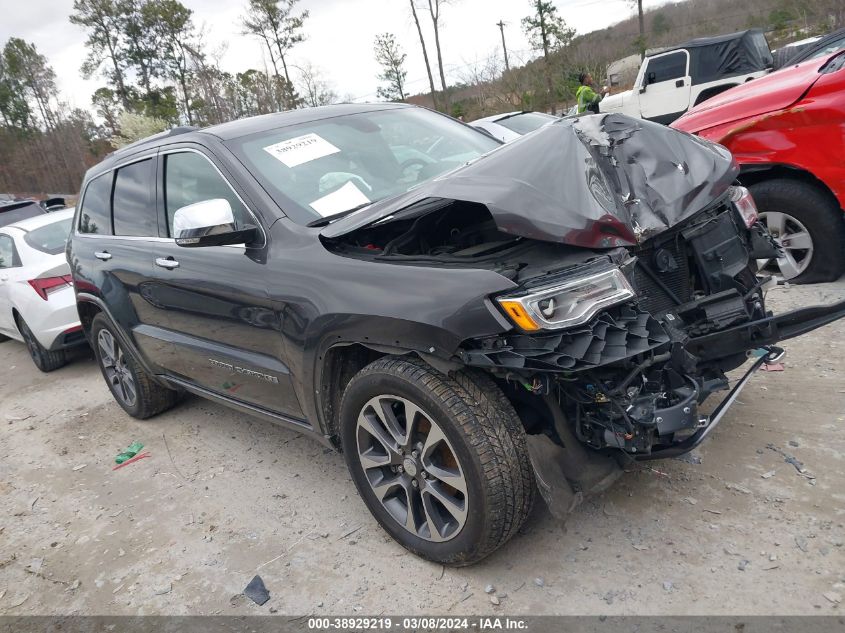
43	358
808	224
440	462
132	387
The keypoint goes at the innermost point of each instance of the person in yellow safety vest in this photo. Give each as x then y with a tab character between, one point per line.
588	99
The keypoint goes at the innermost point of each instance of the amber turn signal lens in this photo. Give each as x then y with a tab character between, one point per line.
517	313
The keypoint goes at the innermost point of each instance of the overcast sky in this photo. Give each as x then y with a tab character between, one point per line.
340	37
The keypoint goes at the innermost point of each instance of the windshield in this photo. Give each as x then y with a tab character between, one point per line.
526	122
50	238
328	166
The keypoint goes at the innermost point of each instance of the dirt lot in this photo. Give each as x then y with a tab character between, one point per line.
224	496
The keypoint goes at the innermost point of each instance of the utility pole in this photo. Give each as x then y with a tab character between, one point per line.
501	26
642	28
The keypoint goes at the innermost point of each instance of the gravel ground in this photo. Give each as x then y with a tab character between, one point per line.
734	530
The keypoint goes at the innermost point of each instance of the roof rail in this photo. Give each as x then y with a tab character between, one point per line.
175	131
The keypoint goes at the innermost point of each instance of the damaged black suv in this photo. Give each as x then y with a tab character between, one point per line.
468	322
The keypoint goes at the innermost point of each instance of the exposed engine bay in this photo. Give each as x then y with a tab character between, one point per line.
624	377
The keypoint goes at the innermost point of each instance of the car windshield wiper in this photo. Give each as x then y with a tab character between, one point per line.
328	219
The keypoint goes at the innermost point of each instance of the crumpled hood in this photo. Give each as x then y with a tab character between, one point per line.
598	181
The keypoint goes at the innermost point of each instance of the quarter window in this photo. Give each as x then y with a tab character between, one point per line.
190	178
8	253
133	208
667	67
50	238
94	216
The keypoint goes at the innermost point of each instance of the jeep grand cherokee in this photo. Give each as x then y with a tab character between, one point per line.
467	322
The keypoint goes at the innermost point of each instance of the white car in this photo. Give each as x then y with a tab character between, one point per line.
37	303
510	126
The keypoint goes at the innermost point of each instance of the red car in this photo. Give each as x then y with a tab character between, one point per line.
787	132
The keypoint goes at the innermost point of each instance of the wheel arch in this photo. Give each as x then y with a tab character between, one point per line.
88	306
753	174
341	362
87	311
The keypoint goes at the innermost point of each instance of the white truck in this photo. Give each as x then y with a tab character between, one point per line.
673	81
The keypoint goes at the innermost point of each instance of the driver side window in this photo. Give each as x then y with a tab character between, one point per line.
190	178
667	68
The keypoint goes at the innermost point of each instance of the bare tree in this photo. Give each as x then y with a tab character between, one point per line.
482	77
392	60
315	90
435	8
424	52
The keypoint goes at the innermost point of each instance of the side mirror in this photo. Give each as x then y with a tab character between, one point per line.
210	223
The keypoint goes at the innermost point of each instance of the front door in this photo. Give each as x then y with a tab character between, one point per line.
665	88
222	324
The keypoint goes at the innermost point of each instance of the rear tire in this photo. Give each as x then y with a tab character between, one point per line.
788	199
476	468
43	358
132	387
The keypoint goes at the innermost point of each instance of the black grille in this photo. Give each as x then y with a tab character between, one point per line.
612	336
676	279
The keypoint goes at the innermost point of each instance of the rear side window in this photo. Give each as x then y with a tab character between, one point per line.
94	216
50	239
190	178
526	122
8	252
134	211
667	68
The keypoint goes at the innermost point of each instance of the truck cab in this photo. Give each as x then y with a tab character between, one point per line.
671	82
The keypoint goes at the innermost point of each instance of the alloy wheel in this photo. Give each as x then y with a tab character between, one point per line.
114	365
794	240
412	468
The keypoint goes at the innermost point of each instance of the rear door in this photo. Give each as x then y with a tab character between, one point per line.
115	233
665	91
223	326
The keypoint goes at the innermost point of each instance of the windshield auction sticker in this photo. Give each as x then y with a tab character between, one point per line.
302	149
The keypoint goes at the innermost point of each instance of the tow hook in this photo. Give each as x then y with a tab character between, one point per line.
775	355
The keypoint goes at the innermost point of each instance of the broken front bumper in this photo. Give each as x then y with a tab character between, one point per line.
708	423
569	472
761	333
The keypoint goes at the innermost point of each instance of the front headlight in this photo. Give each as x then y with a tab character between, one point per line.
566	305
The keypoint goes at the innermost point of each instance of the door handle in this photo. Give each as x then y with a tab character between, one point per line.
104	255
170	264
679	83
